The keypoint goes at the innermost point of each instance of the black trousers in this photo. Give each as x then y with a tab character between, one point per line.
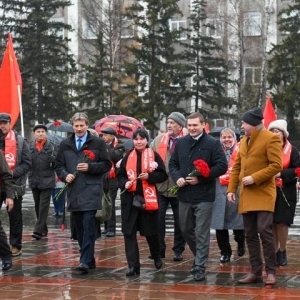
223	240
179	242
15	222
5	252
132	248
110	225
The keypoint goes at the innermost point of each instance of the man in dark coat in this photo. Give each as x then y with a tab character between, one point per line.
197	193
116	151
41	177
7	184
17	156
82	161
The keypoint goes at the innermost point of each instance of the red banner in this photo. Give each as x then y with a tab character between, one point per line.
269	112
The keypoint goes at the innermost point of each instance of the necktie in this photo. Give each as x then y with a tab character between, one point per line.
174	140
79	144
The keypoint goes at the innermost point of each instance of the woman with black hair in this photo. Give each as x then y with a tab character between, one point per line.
139	171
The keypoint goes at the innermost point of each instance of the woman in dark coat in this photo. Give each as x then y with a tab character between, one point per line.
140	169
286	197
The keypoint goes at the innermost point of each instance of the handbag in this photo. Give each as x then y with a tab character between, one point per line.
139	202
104	214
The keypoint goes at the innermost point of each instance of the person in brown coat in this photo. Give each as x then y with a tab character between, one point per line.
255	167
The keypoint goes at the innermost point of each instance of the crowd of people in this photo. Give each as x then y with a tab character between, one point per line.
247	186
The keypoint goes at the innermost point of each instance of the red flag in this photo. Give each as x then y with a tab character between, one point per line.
207	129
10	78
269	112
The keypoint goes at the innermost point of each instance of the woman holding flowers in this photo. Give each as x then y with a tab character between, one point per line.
139	171
286	192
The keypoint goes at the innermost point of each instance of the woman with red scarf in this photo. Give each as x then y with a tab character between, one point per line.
139	171
286	197
225	215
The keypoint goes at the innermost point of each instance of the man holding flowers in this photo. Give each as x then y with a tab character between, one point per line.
82	160
197	161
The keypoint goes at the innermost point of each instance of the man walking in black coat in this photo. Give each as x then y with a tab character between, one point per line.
197	192
82	160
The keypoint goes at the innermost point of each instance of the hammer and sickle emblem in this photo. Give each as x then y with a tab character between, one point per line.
150	192
9	156
130	174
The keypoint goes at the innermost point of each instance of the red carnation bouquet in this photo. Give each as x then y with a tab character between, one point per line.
201	168
88	155
297	172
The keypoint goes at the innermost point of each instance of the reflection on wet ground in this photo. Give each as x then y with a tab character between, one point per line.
45	270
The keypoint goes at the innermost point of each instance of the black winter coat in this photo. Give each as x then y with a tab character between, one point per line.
187	150
42	175
146	221
283	212
85	192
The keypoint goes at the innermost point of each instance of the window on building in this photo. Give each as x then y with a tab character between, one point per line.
57	32
179	25
252	24
252	75
216	31
88	30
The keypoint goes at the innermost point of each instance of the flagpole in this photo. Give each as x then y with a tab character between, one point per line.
21	110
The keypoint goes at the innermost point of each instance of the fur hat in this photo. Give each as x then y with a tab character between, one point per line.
281	125
253	116
39	126
178	118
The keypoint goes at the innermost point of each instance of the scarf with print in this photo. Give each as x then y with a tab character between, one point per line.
11	149
149	190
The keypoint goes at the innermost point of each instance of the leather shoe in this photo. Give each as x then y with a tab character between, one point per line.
133	271
177	256
271	279
6	265
36	236
225	259
110	234
82	269
250	278
199	274
158	263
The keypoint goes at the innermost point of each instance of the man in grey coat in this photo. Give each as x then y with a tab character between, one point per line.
84	177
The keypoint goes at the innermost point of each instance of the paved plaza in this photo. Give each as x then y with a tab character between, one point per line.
45	270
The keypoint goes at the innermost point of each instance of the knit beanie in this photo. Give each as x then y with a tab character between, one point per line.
178	118
253	116
281	125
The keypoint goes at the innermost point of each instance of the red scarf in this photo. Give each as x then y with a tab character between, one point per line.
11	149
163	145
149	190
39	145
224	179
286	158
112	172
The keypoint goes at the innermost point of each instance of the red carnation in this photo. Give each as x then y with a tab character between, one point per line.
202	168
297	172
56	123
89	154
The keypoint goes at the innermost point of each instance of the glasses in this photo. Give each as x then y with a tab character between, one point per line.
276	131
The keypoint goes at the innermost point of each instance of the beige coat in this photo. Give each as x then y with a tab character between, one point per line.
261	159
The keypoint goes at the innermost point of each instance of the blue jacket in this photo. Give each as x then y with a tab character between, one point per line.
187	150
85	192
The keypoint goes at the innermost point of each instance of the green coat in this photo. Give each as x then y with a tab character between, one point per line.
261	159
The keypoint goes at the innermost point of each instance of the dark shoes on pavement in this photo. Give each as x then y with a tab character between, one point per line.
198	274
82	269
250	278
225	259
6	265
36	236
241	250
281	258
133	271
158	263
110	234
177	256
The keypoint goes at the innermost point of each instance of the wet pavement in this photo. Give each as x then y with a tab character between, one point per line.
45	270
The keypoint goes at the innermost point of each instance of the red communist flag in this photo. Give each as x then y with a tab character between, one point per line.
207	129
269	112
10	79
